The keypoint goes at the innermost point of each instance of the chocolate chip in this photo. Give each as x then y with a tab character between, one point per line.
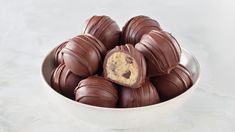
129	60
127	74
113	67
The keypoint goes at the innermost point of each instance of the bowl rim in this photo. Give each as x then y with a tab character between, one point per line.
124	109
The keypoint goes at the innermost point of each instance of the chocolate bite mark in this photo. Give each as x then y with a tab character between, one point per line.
127	74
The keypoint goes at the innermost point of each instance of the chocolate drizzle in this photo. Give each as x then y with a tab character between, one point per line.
96	91
144	64
83	55
161	50
58	55
64	81
104	29
143	96
136	27
173	84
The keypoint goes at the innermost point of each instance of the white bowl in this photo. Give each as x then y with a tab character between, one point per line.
122	118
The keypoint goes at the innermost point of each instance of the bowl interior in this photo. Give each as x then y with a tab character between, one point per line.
187	59
124	118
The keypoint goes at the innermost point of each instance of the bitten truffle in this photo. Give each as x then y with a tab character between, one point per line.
103	28
143	96
161	50
136	27
96	91
83	55
125	66
173	84
64	81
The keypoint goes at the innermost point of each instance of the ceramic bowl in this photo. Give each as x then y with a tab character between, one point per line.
121	118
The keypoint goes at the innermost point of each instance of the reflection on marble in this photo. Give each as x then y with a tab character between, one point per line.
30	28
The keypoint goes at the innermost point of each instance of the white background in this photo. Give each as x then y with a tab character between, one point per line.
29	29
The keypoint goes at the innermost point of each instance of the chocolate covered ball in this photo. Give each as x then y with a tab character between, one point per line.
161	50
103	28
64	81
125	66
174	83
83	55
96	91
143	96
58	55
136	27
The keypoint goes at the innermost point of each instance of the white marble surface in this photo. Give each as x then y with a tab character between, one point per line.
29	29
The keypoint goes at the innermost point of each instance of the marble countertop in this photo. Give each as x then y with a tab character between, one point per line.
29	29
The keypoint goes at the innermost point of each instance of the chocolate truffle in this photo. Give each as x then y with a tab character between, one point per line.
103	28
96	91
143	96
173	84
161	50
136	27
83	55
64	81
57	53
125	66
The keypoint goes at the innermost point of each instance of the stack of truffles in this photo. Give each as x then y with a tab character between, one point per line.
107	67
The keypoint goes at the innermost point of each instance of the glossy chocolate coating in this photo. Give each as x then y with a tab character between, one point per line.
103	28
83	55
136	27
173	84
64	81
143	96
96	91
57	53
161	50
136	56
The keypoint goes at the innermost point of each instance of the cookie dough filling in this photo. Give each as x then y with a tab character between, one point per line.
122	68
